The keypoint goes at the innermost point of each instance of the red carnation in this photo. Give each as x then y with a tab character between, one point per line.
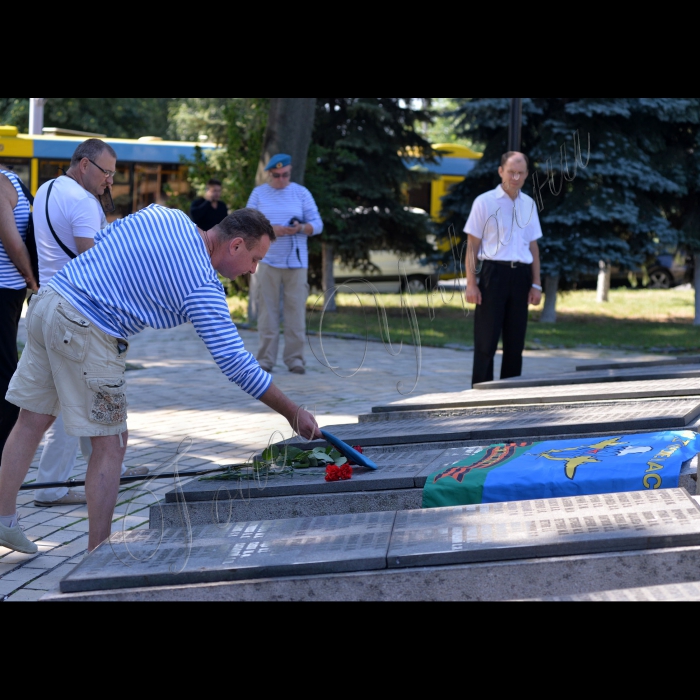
332	473
358	449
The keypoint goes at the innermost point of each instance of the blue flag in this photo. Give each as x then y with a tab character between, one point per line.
520	471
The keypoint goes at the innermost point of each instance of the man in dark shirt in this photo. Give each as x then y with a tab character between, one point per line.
209	211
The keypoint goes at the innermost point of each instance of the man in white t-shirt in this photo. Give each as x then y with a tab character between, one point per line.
503	269
75	215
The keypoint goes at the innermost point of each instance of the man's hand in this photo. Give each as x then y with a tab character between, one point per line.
281	231
535	298
305	425
32	284
474	293
302	422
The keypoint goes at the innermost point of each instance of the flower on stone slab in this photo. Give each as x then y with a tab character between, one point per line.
335	473
346	473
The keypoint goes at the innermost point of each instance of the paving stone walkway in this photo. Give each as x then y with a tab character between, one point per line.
183	411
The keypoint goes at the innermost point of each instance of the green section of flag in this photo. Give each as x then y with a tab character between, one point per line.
449	487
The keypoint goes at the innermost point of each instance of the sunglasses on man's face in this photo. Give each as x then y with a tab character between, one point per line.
277	176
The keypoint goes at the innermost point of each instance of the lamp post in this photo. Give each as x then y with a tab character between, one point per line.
515	130
36	115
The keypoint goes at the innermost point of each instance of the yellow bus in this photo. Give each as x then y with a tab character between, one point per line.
149	170
453	165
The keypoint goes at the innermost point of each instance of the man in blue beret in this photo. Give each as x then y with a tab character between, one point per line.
294	216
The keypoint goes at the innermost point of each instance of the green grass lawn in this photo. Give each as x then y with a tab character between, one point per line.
641	320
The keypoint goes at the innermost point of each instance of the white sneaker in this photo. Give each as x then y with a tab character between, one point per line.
14	538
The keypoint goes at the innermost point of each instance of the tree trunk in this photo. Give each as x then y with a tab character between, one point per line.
551	288
328	278
604	282
696	283
289	129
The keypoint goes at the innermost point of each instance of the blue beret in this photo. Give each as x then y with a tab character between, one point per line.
281	160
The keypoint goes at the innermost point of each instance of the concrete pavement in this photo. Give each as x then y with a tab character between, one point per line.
183	411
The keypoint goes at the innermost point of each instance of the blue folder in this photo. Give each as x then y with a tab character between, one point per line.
352	455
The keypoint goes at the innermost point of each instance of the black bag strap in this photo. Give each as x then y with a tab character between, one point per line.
26	192
64	248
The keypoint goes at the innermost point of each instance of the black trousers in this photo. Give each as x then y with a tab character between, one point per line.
503	312
11	303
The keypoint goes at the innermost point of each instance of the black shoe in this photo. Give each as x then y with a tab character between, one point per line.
297	370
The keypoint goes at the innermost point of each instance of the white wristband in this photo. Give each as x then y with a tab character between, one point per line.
537	287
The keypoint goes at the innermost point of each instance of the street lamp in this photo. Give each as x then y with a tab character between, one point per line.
515	130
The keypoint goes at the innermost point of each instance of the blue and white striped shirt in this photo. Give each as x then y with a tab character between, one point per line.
152	269
280	207
10	277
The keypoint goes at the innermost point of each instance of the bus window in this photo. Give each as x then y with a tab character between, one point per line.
20	166
419	196
175	180
156	184
51	169
148	183
121	193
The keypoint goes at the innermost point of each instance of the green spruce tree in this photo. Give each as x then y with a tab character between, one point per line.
357	173
611	209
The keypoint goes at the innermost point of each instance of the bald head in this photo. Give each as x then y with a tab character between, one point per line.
514	155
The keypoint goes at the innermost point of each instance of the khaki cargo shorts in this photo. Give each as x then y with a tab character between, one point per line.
70	366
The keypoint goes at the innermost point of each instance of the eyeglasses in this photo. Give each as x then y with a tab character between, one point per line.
108	173
277	176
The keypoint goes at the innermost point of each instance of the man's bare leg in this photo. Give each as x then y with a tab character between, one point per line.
17	457
102	485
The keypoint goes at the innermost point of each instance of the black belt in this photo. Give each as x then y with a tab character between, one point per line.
508	263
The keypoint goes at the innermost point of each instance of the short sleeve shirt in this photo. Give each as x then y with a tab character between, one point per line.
74	213
505	227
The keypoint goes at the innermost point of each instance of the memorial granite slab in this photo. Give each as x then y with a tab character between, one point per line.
618	391
599	533
595	377
240	551
668	362
547	528
233	505
508	422
398	470
678	593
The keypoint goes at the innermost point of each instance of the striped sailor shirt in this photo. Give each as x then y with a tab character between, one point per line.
152	269
10	277
280	207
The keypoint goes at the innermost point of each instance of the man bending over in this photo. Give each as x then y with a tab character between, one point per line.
152	269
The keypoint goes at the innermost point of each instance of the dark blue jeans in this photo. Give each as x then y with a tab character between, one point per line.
11	303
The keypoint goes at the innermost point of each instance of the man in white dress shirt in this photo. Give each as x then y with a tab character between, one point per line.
503	269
